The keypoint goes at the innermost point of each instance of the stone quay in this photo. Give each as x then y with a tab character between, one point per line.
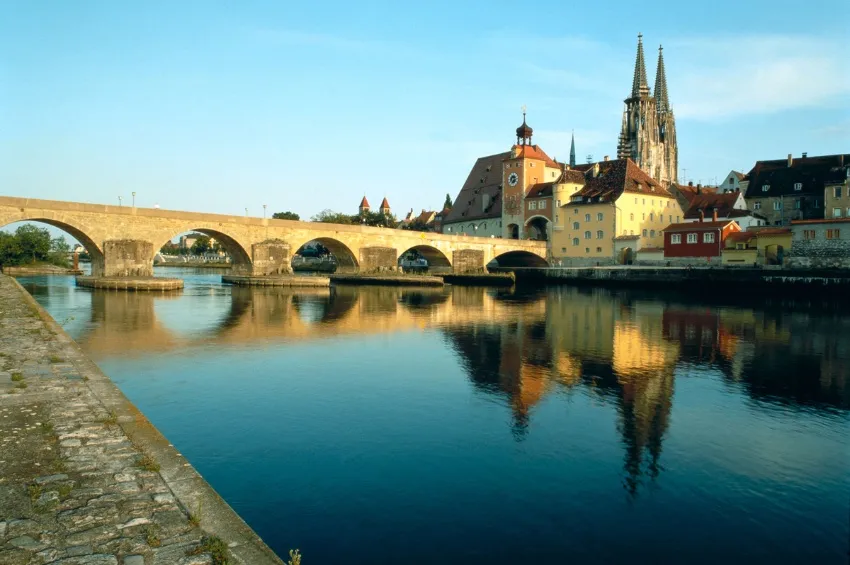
85	478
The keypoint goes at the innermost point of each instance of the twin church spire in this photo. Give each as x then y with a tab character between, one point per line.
648	135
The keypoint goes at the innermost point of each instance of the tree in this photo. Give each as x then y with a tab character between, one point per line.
286	216
369	218
170	248
34	242
447	205
331	217
59	251
10	249
201	245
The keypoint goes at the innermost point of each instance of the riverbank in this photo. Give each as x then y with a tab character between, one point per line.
480	279
85	478
387	280
195	265
826	282
40	269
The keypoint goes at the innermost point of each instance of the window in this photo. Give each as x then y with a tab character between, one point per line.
838	192
575	225
832	234
558	203
575	241
556	218
651	233
643	216
644	233
816	204
708	237
532	205
643	203
599	234
631	216
587	217
651	216
676	238
798	203
599	250
848	211
777	205
587	235
635	200
677	219
765	187
808	234
798	186
575	210
563	250
542	205
731	180
692	238
587	249
671	218
599	217
836	212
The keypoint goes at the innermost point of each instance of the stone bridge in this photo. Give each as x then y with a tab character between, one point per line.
122	240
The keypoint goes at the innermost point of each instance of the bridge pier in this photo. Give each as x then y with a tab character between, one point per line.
271	257
374	259
125	258
468	261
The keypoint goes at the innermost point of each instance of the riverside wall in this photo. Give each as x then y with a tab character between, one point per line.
85	478
813	282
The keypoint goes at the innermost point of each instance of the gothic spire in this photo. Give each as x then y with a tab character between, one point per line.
661	101
573	151
640	86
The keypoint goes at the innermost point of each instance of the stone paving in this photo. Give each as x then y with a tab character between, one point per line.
75	489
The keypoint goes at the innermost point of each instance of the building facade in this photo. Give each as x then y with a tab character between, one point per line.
648	132
820	243
732	182
724	206
697	239
792	189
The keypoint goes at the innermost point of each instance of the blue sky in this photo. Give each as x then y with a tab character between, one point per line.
218	106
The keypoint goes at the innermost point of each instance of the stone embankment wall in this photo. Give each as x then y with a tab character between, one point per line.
821	252
813	282
85	478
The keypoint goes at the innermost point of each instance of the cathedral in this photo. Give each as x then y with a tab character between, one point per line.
648	135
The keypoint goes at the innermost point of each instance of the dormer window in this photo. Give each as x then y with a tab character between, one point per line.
798	186
765	187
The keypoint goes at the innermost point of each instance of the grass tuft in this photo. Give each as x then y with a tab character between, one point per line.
147	463
64	491
152	536
17	377
34	491
294	557
216	547
111	419
21	385
56	359
195	517
47	427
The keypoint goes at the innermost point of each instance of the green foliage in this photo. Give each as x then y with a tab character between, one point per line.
370	218
32	244
294	557
448	202
286	216
216	547
152	536
202	245
331	217
17	377
416	225
34	491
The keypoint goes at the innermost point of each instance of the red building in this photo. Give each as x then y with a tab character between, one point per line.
697	239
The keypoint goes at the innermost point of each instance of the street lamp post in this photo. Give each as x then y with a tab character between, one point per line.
134	199
119	201
264	211
246	212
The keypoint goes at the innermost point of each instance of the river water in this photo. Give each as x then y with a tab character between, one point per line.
464	426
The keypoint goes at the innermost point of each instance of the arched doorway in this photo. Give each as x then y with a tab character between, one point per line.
513	231
537	228
627	256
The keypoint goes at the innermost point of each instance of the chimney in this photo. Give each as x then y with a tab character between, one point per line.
804	155
699	188
841	160
701	216
690	183
790	159
605	158
714	215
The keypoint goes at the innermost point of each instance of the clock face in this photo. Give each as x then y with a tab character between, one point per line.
513	178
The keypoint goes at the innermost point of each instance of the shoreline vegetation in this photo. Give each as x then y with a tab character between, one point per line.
31	250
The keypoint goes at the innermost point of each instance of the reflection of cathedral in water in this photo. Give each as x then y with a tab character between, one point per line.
627	352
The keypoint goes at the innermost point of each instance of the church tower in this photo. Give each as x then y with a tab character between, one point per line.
648	135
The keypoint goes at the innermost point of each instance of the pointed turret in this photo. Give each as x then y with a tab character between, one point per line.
661	102
364	206
385	207
640	86
573	151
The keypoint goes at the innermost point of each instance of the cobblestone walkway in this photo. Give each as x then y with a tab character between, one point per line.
74	488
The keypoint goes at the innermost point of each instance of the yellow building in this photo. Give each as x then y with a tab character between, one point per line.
836	195
765	246
617	199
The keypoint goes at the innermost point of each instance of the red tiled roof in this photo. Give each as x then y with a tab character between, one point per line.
707	203
533	152
741	236
773	231
384	203
572	176
616	177
697	226
540	190
364	203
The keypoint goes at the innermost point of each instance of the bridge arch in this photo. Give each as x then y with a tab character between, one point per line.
345	257
75	231
239	254
437	260
520	259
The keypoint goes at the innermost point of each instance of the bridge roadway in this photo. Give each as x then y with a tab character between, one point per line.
122	240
